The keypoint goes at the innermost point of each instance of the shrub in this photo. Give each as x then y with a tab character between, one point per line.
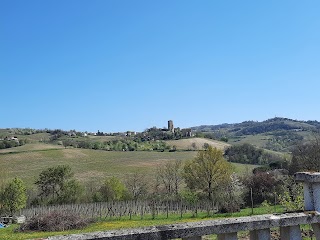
264	186
55	221
291	196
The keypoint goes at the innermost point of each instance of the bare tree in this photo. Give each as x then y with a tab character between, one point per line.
137	185
170	176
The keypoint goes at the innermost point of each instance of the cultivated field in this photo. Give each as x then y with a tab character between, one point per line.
88	165
186	144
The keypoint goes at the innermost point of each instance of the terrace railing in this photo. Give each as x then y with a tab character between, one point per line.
228	228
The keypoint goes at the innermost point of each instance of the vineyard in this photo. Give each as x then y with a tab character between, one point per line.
127	209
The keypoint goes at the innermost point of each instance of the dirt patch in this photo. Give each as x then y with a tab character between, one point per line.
73	153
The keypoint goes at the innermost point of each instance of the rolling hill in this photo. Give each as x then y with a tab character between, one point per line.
88	165
276	134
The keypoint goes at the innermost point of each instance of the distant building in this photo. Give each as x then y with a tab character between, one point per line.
130	133
187	132
170	126
11	139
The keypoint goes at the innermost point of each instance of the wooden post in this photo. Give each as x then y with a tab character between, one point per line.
251	196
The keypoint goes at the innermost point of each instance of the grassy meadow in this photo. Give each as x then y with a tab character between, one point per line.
88	165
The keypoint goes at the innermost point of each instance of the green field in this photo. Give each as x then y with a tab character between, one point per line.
88	165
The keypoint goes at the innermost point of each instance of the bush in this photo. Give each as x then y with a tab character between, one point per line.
55	221
264	186
291	197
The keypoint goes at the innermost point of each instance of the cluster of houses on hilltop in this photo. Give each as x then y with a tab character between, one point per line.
186	132
10	139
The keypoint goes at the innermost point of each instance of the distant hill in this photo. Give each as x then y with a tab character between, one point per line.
277	134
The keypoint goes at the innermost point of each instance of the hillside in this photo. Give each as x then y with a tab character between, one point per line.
277	134
89	165
196	143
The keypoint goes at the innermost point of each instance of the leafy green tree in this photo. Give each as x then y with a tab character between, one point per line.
264	185
205	146
66	143
112	189
244	153
56	184
291	195
305	157
207	172
14	196
194	146
71	192
191	198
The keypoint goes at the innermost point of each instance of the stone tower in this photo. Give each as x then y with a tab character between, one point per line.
170	126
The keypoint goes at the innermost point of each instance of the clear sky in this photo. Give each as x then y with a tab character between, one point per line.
115	65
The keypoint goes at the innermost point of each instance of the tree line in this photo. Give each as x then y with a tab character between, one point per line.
117	145
248	154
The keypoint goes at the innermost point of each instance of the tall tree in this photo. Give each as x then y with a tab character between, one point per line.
112	189
207	171
169	175
14	196
56	184
137	185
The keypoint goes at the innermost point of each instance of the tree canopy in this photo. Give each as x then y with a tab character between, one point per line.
56	185
305	157
14	196
207	171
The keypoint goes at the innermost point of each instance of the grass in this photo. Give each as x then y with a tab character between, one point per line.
186	144
10	234
29	148
259	140
29	160
32	137
88	165
243	169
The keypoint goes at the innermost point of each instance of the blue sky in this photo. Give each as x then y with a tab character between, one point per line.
118	65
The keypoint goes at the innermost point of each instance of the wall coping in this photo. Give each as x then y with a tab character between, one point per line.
191	229
307	177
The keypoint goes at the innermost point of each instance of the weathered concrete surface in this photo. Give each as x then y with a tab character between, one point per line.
290	233
307	177
222	226
228	236
316	230
311	189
